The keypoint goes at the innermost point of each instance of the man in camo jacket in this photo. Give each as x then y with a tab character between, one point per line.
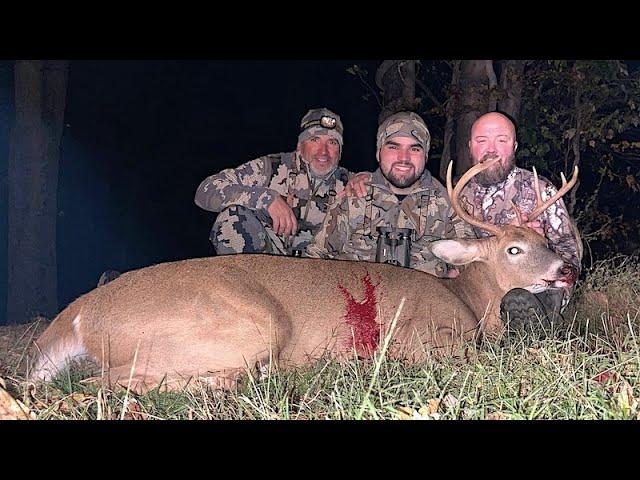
276	203
401	194
488	198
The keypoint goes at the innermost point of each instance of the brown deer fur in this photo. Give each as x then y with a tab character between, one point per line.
214	317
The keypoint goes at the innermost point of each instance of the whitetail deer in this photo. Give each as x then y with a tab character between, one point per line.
214	317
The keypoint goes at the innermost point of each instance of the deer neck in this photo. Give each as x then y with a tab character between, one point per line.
478	288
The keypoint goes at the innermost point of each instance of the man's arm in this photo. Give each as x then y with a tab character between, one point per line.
357	186
334	232
560	229
445	224
458	228
245	185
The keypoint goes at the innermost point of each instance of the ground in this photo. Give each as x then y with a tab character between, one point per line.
15	341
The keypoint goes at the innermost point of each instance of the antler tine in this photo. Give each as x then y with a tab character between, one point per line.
536	184
518	213
455	192
563	190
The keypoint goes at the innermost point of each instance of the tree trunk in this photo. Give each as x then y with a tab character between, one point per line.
476	77
40	91
511	83
450	109
397	81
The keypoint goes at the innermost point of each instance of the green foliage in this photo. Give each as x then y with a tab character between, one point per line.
587	107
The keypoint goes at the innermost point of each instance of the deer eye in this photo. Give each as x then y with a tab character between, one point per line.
514	250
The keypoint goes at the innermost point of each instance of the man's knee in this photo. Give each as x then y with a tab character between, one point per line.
238	229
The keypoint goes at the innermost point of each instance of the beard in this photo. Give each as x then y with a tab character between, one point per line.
401	181
323	170
496	174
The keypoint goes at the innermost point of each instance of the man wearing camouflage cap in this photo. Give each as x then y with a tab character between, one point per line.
403	198
276	203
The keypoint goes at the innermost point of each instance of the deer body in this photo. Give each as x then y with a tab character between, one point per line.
223	314
215	317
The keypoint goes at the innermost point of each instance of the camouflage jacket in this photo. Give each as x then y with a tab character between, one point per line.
256	184
493	205
350	231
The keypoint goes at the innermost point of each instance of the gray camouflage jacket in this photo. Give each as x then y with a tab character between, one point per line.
350	231
256	183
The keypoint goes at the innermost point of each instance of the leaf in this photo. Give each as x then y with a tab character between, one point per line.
134	412
497	416
564	359
539	355
428	412
543	149
625	400
13	409
432	407
356	70
450	401
602	378
405	413
82	398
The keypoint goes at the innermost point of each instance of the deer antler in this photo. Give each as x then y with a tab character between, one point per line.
455	192
541	207
519	218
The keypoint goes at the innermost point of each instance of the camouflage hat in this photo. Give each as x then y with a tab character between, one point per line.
405	124
321	121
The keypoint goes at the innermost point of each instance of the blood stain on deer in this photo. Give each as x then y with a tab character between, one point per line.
361	317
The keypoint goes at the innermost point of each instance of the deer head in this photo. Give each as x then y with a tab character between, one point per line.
519	256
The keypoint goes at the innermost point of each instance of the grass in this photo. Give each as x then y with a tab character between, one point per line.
590	370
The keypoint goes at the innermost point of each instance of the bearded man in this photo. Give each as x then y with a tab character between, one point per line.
491	197
276	203
403	211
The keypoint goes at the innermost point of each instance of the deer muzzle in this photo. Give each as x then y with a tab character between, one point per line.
568	276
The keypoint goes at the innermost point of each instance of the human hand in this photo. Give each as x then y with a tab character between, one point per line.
284	221
523	221
356	186
535	225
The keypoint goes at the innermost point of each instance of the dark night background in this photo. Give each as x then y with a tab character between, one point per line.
141	135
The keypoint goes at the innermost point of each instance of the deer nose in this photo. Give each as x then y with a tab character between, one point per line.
569	273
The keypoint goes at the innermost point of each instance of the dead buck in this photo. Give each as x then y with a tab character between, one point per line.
215	317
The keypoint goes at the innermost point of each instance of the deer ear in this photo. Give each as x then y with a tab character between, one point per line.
456	252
